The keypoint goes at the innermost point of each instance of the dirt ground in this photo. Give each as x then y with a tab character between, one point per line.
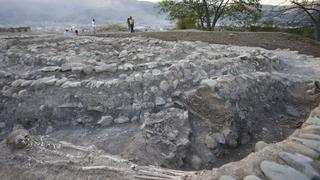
265	40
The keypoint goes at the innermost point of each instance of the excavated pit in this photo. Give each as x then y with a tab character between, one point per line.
180	105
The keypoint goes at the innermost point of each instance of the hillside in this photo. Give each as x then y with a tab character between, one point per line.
81	12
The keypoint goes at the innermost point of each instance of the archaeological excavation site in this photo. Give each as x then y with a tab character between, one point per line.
149	109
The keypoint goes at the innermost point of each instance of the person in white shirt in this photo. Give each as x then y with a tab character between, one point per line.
66	33
94	25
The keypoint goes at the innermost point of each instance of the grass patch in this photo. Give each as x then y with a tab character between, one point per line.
303	31
112	27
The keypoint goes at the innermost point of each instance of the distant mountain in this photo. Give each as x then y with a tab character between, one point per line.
78	11
275	15
45	12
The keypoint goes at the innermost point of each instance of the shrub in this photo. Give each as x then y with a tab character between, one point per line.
304	31
112	27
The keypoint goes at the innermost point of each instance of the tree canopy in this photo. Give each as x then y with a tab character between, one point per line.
311	8
208	12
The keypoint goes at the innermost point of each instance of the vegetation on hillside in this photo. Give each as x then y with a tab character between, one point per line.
244	14
304	31
312	9
204	14
111	27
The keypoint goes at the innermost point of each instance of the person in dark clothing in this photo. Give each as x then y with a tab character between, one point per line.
131	23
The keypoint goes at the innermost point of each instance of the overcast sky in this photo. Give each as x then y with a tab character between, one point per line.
275	2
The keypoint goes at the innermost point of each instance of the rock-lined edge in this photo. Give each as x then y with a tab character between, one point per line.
297	157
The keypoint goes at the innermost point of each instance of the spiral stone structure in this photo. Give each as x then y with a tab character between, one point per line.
144	108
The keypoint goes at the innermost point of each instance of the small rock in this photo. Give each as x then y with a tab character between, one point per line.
49	130
156	72
26	83
164	86
209	83
175	84
17	83
121	120
4	74
138	77
61	81
50	82
176	94
313	121
42	107
83	120
148	76
227	178
302	149
309	136
127	66
292	111
7	92
196	162
133	167
260	145
211	142
123	76
219	137
187	74
106	68
252	177
87	69
77	69
70	84
66	67
134	119
123	53
172	135
275	171
230	137
50	69
160	101
315	145
300	162
22	92
96	108
71	105
18	139
2	125
42	82
105	121
311	129
154	89
140	56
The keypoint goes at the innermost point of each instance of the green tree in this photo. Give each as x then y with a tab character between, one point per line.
181	12
311	8
209	12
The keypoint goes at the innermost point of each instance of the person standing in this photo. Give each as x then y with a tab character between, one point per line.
93	23
66	33
128	22
131	23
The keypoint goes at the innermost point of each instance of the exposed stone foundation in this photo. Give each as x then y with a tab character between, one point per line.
178	105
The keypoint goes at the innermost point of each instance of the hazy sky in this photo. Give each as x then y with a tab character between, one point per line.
275	2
